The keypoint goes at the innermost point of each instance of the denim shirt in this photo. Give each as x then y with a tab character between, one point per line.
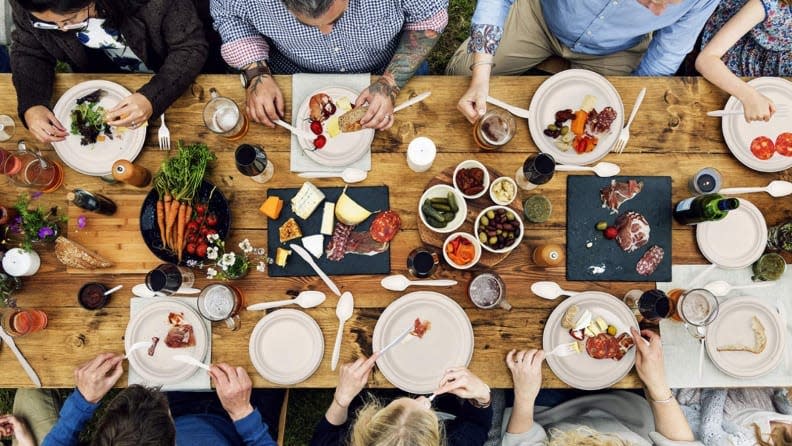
601	27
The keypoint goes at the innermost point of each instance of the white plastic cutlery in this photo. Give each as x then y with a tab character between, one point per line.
601	169
721	288
191	361
310	261
550	290
141	290
780	111
412	101
135	347
776	188
295	130
516	111
306	299
20	357
396	341
349	175
344	309
624	136
398	282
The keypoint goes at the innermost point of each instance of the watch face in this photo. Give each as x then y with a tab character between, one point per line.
243	79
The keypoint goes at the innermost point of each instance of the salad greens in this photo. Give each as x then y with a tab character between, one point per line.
88	119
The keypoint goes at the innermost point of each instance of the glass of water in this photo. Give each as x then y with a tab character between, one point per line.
697	308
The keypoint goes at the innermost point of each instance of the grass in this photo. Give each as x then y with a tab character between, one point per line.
459	14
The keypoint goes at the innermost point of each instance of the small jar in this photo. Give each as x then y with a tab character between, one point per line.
706	181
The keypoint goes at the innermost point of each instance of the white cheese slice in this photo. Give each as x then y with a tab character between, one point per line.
314	244
306	201
328	219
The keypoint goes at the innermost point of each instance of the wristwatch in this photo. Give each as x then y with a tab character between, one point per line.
259	69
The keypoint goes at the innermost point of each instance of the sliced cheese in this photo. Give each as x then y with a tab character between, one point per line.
307	200
328	219
343	103
281	255
348	212
314	244
603	326
333	128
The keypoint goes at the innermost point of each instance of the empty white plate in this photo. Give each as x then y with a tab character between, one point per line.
286	346
735	242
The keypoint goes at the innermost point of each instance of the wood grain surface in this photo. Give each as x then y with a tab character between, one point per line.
670	136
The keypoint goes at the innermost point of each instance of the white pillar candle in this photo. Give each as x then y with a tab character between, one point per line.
421	154
18	262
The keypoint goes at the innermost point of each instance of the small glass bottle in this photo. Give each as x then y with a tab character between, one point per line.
548	255
92	202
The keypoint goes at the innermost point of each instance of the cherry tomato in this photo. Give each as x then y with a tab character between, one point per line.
211	220
320	141
211	231
190	248
192	226
610	232
200	250
316	127
204	231
201	208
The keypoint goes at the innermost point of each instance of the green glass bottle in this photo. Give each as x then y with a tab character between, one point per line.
709	207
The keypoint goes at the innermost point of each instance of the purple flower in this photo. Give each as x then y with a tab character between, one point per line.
45	231
36	195
82	221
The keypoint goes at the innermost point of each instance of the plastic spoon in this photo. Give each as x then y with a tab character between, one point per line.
721	288
346	304
398	282
141	290
776	189
550	290
603	169
349	175
306	299
113	290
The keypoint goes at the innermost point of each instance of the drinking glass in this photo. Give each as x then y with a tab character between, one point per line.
697	308
7	127
537	169
422	262
19	322
168	278
30	169
251	161
651	305
487	291
221	302
222	116
494	129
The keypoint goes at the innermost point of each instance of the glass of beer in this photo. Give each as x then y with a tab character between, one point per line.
221	302
697	308
19	322
222	116
494	129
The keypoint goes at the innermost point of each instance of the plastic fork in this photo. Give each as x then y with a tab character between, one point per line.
164	135
136	346
621	143
562	350
516	111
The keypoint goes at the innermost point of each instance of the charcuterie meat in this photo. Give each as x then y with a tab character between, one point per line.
180	336
154	341
762	147
603	121
633	231
606	346
618	192
783	144
650	260
385	226
336	248
420	328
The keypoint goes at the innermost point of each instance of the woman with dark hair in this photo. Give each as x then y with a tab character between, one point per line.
164	37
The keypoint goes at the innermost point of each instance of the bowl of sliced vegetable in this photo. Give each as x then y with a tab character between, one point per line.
471	178
461	250
498	229
442	208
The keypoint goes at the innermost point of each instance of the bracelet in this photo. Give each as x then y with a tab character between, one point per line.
475	64
339	403
665	401
476	404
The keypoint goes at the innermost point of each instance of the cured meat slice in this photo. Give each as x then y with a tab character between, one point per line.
362	243
633	231
385	226
614	195
783	144
762	147
625	342
175	318
650	260
154	341
603	121
180	336
606	346
420	327
336	248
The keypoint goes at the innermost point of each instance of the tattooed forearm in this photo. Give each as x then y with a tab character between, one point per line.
411	52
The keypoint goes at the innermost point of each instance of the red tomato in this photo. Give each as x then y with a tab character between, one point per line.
320	141
204	231
200	250
211	231
783	144
200	208
610	232
211	220
316	127
190	248
762	147
192	226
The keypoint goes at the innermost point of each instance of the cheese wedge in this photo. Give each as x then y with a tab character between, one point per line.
307	200
348	212
314	244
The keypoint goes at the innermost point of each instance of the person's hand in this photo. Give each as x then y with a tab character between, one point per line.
757	107
13	426
526	370
352	377
233	387
649	363
264	100
43	124
464	384
380	96
473	103
97	376
132	111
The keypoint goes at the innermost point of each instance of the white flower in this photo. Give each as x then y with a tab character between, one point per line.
211	273
260	251
228	259
223	266
245	246
261	267
211	252
213	237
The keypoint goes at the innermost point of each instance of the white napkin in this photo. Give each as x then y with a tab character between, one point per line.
681	350
303	84
200	379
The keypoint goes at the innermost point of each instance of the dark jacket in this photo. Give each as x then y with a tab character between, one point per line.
167	35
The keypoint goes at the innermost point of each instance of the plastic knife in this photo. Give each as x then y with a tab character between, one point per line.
20	357
310	261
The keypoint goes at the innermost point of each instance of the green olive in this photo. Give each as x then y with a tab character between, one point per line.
601	225
484	221
490	214
565	130
483	237
493	240
510	216
552	127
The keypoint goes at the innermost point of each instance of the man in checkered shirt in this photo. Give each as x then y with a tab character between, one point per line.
388	37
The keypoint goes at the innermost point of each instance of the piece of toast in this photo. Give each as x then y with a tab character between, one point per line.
350	121
74	255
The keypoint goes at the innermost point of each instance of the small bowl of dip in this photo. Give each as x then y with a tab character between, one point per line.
503	190
91	296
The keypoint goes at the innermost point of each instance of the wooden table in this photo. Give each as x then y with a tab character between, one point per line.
671	136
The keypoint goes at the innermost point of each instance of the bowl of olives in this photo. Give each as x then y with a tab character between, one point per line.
499	229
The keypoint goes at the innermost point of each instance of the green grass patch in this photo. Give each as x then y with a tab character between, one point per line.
459	14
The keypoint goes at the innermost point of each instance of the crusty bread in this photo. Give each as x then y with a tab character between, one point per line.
760	340
350	121
570	317
74	255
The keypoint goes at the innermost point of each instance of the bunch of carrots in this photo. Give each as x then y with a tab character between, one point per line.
177	182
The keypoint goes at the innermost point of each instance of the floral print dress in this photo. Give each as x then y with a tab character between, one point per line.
97	36
766	50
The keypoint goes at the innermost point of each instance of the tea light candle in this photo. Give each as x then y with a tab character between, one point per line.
18	262
421	154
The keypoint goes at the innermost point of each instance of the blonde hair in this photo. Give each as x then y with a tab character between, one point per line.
396	425
584	436
779	436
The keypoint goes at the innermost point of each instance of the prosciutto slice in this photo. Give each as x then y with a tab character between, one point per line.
618	192
345	241
633	231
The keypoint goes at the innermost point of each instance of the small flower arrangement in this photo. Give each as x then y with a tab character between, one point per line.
8	285
33	225
229	265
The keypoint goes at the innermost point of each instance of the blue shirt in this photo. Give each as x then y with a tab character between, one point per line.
601	27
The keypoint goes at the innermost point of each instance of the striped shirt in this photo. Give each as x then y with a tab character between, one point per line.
363	40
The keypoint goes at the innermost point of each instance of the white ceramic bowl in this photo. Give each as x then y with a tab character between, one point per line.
442	190
517	238
476	250
467	164
497	183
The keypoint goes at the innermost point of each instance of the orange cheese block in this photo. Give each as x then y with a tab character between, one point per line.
272	207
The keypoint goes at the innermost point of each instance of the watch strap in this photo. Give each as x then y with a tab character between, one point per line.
259	69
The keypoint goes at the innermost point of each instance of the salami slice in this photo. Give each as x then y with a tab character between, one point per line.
648	263
783	144
762	147
600	346
385	226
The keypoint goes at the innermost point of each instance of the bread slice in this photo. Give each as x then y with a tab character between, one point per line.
760	340
350	121
74	255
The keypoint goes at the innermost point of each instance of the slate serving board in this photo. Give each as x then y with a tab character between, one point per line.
584	210
373	198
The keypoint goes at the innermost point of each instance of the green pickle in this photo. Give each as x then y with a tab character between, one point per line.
452	202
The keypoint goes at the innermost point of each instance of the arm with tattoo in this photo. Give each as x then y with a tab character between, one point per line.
413	48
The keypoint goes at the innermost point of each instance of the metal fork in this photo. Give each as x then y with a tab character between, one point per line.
164	135
562	350
621	143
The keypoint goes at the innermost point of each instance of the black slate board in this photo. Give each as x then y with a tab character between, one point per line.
584	210
373	198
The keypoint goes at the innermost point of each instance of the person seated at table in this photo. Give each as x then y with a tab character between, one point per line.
406	421
747	38
145	416
164	37
640	37
387	37
613	418
34	413
739	416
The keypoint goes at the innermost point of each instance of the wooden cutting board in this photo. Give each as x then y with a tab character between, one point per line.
114	237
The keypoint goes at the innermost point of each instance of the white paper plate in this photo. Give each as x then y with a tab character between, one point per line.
733	326
567	90
286	346
582	371
152	320
96	159
344	149
738	134
736	241
417	365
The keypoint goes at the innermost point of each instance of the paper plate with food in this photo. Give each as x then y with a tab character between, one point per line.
762	146
576	116
747	339
595	328
329	114
92	146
